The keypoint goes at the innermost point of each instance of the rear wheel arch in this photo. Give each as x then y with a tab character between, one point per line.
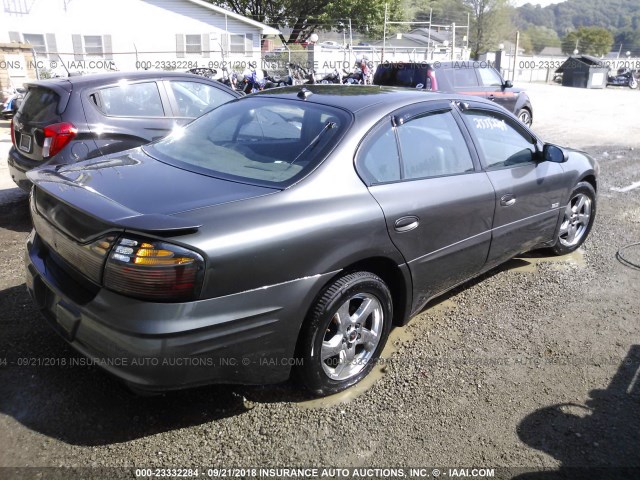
389	272
396	281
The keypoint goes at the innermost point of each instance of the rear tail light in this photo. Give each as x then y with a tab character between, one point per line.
56	137
432	83
154	270
13	134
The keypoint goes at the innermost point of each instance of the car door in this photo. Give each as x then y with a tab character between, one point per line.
493	88
190	99
437	203
127	115
528	191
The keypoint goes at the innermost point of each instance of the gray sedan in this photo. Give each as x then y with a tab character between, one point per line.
289	231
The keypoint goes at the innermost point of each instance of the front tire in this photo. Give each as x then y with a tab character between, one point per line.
633	83
579	215
345	333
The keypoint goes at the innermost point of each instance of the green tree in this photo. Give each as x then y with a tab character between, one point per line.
588	40
306	16
628	41
442	11
490	23
541	37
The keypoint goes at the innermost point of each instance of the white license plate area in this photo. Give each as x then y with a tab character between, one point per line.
25	143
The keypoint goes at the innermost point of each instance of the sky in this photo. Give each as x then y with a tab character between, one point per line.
544	3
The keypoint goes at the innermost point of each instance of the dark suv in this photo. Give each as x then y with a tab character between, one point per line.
66	120
469	78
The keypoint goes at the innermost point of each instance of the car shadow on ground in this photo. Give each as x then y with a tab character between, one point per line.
15	215
83	405
597	439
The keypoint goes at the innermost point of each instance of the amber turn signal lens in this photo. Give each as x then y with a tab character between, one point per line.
154	270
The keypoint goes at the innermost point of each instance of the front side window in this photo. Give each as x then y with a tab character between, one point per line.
432	145
131	100
194	98
259	140
93	45
501	144
489	77
193	43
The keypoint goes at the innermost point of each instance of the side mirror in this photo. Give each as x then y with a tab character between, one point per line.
553	153
507	84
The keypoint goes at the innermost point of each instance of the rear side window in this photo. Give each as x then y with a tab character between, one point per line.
378	160
131	100
432	145
39	105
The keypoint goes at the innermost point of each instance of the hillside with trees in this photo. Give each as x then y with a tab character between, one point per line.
596	26
573	20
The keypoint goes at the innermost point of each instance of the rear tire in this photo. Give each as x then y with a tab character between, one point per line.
525	117
578	219
345	333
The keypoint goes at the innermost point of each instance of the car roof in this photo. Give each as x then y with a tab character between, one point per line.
109	77
359	97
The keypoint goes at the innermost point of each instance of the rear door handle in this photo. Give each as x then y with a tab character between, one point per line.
406	224
507	200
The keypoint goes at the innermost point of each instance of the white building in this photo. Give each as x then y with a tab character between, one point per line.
91	35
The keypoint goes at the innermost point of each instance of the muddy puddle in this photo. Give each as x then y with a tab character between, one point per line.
398	335
529	263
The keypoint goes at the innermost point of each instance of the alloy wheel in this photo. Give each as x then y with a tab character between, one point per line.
352	336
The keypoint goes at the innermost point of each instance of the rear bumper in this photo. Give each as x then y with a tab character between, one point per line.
19	165
246	338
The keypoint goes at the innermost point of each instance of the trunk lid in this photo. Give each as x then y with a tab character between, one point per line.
132	190
80	210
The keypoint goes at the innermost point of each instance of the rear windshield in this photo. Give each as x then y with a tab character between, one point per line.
263	141
39	105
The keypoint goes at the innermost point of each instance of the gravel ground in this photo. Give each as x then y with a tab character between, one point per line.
533	365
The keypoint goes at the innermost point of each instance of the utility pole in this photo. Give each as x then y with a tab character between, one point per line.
350	42
429	46
350	34
453	40
515	57
384	34
431	25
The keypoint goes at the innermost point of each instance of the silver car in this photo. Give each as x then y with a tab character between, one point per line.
290	230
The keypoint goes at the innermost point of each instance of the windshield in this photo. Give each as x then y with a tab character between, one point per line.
264	141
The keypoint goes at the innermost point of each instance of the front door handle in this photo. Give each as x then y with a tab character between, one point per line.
507	200
406	224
